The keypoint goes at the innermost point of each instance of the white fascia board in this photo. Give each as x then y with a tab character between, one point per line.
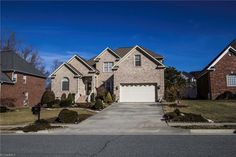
220	57
56	70
106	49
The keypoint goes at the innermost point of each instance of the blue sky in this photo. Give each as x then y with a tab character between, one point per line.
188	34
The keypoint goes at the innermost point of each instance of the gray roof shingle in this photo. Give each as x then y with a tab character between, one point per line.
13	62
233	44
124	50
4	78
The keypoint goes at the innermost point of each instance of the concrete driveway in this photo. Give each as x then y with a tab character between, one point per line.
123	118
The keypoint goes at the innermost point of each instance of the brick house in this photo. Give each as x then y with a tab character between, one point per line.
133	74
20	80
219	75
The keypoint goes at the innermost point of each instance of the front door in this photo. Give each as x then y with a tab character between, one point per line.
88	87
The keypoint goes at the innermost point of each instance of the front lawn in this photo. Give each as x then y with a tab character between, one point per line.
24	115
218	111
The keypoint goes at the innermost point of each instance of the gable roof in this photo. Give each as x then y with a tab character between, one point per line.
68	66
13	62
144	51
4	78
92	69
91	61
231	47
109	50
124	50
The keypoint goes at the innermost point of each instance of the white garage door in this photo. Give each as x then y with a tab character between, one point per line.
137	93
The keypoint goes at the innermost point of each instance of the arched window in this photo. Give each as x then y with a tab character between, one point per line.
65	84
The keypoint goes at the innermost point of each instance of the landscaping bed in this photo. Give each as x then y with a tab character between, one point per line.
36	126
218	111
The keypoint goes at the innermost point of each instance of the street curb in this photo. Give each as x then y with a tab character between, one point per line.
212	131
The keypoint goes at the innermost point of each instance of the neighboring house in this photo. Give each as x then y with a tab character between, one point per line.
219	75
20	80
190	90
133	74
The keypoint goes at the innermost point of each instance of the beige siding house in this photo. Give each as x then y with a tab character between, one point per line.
133	74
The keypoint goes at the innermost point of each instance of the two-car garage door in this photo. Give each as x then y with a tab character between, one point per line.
137	93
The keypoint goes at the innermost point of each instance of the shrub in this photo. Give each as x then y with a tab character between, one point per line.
63	97
70	98
68	116
92	98
227	95
8	102
98	105
3	109
113	97
177	111
101	93
171	94
56	102
65	103
108	98
48	98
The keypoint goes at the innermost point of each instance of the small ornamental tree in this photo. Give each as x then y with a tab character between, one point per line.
101	93
108	98
63	97
174	83
48	98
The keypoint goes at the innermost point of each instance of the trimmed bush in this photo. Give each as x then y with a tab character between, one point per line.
48	98
63	97
98	105
108	98
92	97
227	95
65	103
68	116
70	98
3	109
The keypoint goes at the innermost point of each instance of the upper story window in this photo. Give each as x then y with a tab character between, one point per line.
24	79
14	77
65	84
137	60
107	66
231	80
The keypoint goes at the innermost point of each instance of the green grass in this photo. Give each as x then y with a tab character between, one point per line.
218	111
24	115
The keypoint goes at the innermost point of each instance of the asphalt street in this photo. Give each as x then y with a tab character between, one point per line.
114	146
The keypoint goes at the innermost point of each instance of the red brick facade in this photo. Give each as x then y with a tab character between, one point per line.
214	83
35	86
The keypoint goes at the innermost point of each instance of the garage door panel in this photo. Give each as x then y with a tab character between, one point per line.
137	93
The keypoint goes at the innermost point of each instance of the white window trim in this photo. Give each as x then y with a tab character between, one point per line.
62	84
108	69
24	79
227	81
14	77
135	61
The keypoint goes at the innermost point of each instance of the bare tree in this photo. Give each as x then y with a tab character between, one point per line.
55	64
28	53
